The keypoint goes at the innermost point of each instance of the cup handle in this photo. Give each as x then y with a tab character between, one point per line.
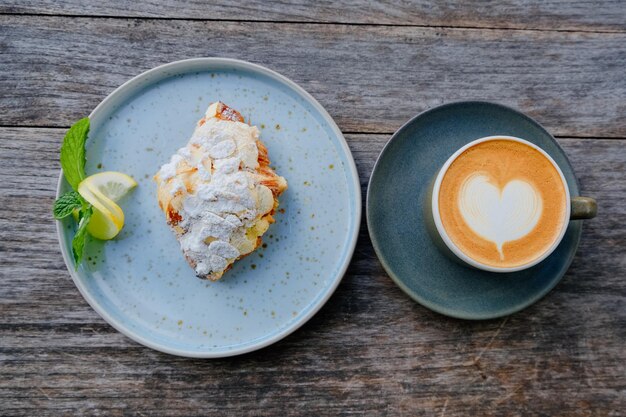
583	208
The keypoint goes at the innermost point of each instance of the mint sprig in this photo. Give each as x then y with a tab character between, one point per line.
73	165
73	152
78	243
66	204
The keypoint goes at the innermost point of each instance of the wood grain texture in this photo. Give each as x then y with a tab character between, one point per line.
370	78
605	15
370	350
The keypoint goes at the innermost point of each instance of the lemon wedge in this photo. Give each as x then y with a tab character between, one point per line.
113	185
102	191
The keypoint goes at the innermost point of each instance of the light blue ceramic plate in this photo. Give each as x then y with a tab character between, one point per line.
141	284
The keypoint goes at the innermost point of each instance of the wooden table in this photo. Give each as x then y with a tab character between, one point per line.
370	350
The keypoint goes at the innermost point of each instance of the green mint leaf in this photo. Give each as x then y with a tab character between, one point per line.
78	243
73	152
66	204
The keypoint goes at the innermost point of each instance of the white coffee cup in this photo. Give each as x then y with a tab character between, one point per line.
576	208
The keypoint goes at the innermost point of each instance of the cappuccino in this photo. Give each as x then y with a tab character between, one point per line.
503	203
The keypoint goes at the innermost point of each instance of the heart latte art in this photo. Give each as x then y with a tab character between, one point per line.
502	203
499	215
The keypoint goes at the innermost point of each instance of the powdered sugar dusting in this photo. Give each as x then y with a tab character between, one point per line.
224	201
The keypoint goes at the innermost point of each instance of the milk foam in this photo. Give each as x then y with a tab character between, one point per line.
499	215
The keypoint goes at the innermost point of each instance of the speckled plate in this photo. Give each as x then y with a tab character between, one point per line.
140	282
395	196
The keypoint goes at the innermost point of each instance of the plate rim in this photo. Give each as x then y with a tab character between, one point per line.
356	209
399	282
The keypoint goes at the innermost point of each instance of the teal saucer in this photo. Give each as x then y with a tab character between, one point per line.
396	226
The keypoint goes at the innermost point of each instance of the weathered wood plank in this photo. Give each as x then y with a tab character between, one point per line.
371	79
370	350
604	15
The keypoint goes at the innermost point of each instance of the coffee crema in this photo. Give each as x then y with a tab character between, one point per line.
502	203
